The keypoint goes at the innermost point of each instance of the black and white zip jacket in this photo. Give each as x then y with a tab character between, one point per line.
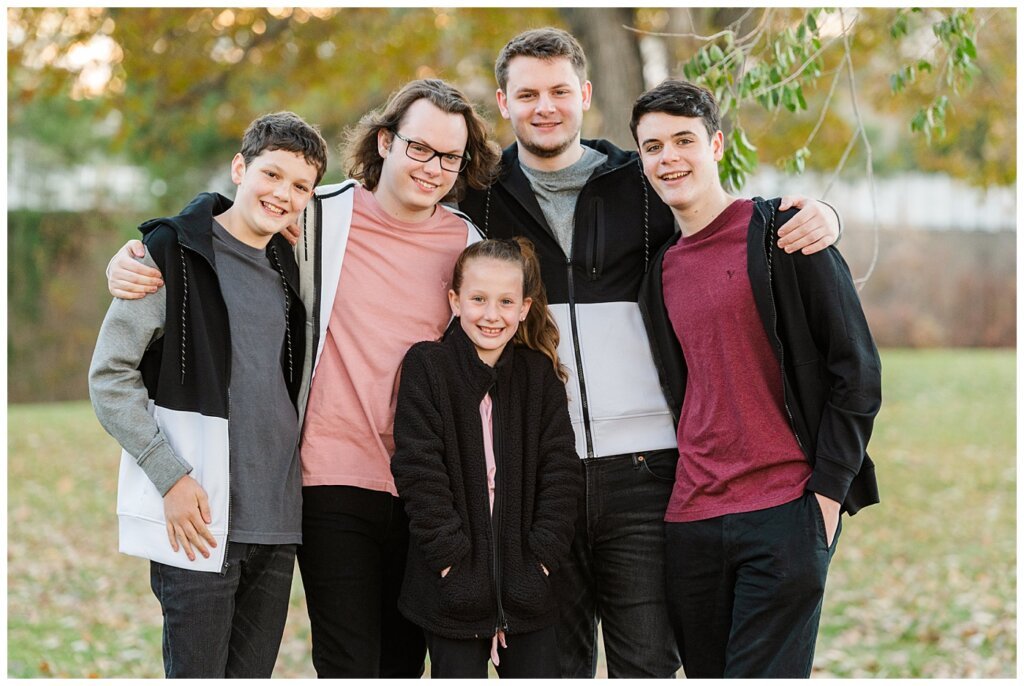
830	368
615	401
320	253
159	380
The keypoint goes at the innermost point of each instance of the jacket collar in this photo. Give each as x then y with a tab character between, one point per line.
512	178
478	375
194	231
192	225
617	157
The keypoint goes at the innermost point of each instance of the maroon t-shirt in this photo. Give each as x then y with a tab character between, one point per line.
737	452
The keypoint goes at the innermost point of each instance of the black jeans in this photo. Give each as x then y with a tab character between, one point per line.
616	570
528	656
352	561
228	624
745	590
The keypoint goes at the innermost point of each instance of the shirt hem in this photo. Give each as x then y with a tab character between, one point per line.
257	538
680	516
368	484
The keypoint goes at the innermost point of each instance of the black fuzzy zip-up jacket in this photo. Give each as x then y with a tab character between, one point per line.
439	467
615	403
830	368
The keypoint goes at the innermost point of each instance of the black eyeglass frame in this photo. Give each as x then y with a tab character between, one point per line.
464	159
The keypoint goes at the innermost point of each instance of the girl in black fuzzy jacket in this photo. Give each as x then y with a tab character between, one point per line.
486	466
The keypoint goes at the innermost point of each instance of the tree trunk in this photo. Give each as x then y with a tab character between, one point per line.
613	64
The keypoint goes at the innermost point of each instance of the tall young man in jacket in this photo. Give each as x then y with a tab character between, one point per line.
596	224
771	372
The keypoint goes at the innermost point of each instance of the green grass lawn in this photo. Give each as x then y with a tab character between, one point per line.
923	585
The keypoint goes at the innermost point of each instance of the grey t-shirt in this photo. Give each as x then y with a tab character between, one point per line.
557	192
266	481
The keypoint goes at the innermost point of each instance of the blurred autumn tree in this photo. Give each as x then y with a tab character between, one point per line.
172	88
916	89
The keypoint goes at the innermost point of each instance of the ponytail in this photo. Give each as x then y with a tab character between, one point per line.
538	331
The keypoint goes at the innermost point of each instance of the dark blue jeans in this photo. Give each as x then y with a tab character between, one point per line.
228	624
616	570
745	590
352	561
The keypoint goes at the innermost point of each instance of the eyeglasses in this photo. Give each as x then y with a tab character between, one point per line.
424	153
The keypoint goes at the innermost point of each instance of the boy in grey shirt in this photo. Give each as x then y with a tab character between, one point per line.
198	384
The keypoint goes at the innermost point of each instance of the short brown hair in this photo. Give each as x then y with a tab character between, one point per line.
547	44
365	162
285	131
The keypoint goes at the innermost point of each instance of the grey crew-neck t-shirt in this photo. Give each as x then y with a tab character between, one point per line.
557	192
266	481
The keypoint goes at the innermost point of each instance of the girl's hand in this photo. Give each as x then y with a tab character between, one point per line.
444	572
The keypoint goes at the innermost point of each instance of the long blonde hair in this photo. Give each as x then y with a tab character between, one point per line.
538	331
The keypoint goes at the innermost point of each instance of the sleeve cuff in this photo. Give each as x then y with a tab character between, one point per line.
163	467
839	220
830	479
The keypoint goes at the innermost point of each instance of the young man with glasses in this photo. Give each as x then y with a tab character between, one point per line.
375	258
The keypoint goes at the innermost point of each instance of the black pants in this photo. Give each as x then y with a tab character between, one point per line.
227	624
352	560
745	590
528	656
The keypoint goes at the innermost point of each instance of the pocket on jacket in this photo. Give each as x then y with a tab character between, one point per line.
527	593
465	592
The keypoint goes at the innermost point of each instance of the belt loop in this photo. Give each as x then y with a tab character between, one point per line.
638	460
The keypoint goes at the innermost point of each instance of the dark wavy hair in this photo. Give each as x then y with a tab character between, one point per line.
365	162
680	99
539	330
289	132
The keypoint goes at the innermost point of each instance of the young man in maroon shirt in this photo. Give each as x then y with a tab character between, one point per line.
769	367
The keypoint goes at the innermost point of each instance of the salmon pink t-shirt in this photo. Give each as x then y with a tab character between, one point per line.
392	293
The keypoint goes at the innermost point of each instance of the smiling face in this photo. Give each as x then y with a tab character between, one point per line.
409	190
490	304
272	190
545	101
682	163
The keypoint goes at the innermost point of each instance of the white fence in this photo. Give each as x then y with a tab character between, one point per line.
908	201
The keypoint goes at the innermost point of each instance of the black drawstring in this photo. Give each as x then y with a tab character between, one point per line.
647	237
287	307
184	309
487	214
